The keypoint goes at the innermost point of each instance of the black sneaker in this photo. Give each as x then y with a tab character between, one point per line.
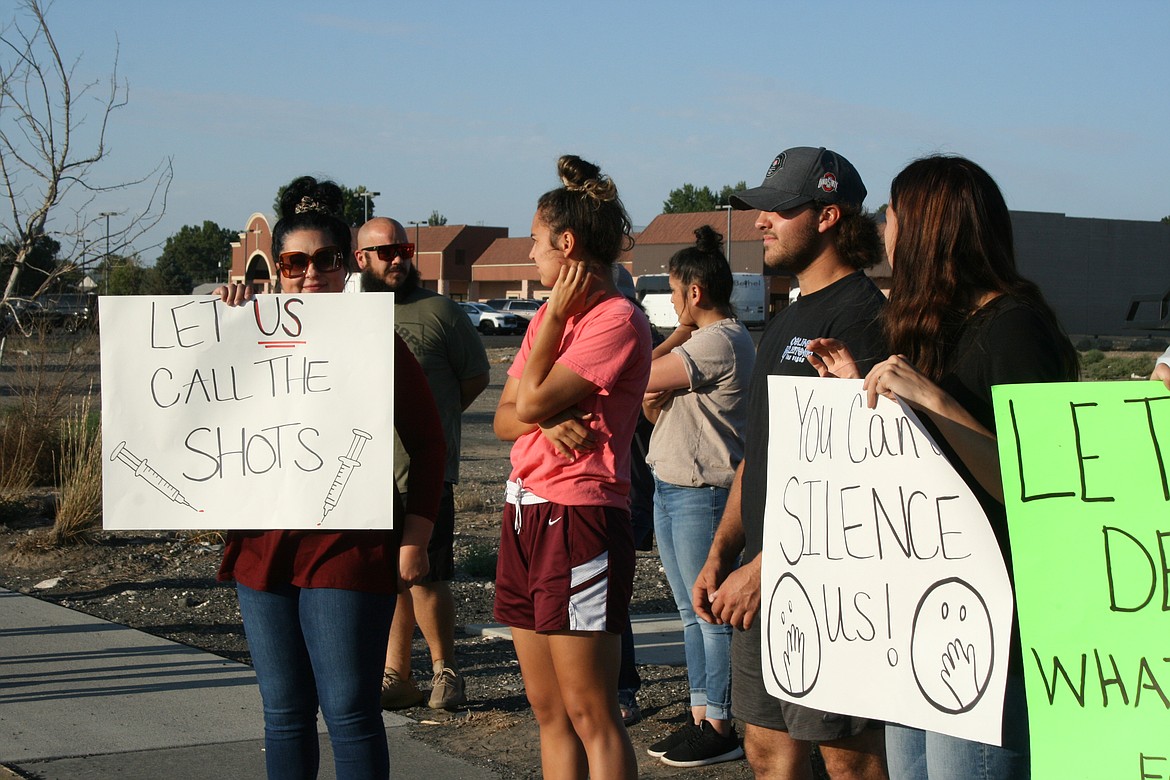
704	746
674	739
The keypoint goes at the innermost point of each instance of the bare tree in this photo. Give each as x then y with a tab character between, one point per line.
52	139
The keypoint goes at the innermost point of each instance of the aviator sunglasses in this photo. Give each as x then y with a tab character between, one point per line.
387	252
325	259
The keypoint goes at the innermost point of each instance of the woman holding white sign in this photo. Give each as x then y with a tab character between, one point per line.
317	605
960	320
570	405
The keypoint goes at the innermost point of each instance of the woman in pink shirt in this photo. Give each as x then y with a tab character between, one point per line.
570	404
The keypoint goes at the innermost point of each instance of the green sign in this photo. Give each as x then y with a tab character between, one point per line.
1085	483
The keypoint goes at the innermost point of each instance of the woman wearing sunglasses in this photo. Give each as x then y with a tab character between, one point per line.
317	605
570	405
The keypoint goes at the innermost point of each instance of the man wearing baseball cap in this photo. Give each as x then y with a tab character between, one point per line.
813	227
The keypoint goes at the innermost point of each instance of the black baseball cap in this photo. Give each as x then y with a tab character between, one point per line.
801	174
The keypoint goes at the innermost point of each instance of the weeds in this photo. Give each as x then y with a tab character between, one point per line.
1110	368
481	561
18	458
79	477
47	376
473	499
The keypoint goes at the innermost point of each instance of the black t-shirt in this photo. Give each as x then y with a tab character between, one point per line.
846	310
1004	342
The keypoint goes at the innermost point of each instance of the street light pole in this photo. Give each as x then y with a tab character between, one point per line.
365	196
107	215
727	240
417	223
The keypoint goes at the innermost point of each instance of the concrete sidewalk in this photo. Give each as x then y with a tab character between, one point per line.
82	698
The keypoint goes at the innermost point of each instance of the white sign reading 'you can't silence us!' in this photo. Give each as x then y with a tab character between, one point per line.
274	414
884	591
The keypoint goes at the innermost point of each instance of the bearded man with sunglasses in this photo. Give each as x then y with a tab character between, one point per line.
453	357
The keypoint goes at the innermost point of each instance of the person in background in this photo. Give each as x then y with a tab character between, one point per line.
566	563
641	518
960	320
452	354
317	605
694	453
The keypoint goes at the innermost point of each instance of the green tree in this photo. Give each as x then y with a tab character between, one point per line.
689	198
1166	219
125	275
353	205
171	278
41	265
436	219
199	254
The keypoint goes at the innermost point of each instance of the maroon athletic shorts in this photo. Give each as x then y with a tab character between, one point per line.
564	568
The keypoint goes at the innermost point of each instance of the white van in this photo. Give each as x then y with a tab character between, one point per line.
747	296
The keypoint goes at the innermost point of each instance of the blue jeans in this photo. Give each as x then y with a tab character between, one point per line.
685	519
320	647
914	754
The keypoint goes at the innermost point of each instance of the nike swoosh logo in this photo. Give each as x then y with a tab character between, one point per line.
551	523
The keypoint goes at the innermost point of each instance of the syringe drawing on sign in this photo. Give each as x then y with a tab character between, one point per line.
152	477
348	463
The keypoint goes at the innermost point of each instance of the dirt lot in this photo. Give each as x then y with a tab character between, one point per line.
164	584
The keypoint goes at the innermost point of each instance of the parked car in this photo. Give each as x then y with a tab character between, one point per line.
70	312
521	307
487	320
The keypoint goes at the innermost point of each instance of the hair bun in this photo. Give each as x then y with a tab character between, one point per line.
307	195
583	176
707	239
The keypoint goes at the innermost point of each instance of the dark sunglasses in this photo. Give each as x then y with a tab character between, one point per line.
387	252
325	259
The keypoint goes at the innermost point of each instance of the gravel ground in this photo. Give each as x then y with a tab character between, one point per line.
164	583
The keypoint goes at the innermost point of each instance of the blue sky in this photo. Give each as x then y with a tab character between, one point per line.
464	107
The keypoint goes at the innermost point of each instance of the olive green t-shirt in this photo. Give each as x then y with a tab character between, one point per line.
450	351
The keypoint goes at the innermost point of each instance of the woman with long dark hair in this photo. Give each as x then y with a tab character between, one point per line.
570	406
960	320
317	605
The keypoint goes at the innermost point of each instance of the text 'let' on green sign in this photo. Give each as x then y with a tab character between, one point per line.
1085	483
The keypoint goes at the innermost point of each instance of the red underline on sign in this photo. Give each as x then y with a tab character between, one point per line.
279	344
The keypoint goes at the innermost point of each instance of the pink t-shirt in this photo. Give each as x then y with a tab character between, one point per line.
609	345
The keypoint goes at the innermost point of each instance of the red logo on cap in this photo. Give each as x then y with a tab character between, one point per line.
828	183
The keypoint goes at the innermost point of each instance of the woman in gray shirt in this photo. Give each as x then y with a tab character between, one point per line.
698	392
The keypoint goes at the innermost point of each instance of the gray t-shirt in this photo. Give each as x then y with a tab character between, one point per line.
450	351
698	439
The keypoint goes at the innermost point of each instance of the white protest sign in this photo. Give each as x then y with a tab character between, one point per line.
884	592
275	414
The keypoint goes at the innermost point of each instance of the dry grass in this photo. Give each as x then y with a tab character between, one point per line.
79	509
46	376
18	457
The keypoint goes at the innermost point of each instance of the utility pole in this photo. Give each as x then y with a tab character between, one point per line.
365	196
727	238
109	267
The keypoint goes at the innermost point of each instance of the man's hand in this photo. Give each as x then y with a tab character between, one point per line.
736	602
710	577
413	563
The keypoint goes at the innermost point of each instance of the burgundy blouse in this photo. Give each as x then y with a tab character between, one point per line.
364	561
